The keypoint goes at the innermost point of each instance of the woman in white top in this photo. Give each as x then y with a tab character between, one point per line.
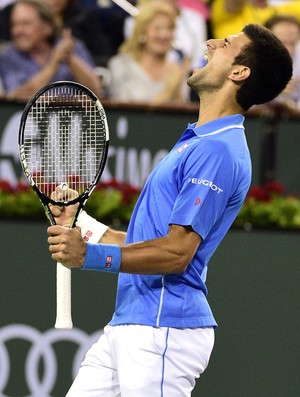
142	71
190	34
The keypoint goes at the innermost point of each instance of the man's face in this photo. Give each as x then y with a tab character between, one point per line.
220	56
28	30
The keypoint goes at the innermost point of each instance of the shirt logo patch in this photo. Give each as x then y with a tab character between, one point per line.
182	148
88	235
109	260
198	201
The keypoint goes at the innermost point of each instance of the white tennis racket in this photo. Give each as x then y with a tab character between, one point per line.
63	140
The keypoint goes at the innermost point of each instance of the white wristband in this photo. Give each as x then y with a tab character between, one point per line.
91	229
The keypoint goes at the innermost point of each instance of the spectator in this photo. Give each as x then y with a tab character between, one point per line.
230	16
287	29
37	57
190	33
142	70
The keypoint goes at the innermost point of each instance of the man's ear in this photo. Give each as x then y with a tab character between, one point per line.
239	73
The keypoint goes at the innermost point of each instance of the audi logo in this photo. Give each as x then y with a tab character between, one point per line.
41	349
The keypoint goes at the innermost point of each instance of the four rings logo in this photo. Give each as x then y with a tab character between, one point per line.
41	351
205	182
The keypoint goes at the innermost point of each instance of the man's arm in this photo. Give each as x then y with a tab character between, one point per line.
112	236
84	74
169	254
42	78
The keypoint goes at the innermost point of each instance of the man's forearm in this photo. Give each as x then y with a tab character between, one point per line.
112	236
27	90
84	74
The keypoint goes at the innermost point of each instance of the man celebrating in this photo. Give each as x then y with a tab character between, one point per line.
162	332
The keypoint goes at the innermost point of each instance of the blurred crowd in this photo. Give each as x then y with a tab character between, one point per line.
133	51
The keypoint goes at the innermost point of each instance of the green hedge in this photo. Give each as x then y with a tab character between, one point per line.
113	202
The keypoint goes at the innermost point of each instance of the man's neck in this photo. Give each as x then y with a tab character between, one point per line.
213	107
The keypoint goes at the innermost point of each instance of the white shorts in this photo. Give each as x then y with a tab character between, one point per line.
143	361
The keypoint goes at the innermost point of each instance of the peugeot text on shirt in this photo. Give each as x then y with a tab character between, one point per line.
205	182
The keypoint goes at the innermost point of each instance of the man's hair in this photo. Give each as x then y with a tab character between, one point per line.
270	64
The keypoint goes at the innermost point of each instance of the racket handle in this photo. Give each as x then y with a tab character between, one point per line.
63	298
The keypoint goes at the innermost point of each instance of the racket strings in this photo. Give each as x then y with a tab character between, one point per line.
64	140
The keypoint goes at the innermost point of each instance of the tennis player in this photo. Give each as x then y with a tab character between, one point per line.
161	335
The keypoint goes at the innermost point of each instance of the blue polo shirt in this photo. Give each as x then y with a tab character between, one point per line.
201	183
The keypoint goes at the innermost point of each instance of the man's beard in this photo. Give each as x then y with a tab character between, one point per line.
204	81
191	82
196	82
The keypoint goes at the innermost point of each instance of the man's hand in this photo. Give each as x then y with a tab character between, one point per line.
63	214
66	246
64	49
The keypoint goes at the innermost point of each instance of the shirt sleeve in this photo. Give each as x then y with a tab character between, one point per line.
207	180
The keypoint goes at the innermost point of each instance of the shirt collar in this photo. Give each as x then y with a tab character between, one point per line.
219	125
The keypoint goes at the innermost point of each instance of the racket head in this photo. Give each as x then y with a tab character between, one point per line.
63	140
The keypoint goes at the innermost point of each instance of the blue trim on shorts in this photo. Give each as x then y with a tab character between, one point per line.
163	365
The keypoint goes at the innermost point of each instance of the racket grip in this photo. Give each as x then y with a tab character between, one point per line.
63	298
